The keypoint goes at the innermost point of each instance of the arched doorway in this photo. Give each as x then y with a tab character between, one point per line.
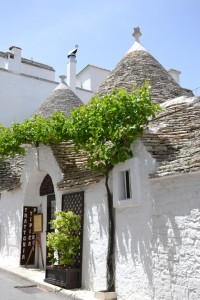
47	189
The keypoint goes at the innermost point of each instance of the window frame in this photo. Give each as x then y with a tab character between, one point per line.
119	198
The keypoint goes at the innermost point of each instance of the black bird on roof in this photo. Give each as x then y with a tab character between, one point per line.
73	52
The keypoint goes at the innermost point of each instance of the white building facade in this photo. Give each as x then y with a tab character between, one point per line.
24	84
157	214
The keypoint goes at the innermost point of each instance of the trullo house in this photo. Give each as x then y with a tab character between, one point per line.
157	251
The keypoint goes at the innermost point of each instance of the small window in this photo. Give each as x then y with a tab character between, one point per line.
125	185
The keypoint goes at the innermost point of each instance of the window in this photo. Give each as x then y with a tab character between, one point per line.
125	183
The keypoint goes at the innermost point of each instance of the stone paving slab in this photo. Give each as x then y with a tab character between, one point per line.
37	277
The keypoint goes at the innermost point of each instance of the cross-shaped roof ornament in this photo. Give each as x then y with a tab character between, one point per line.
137	34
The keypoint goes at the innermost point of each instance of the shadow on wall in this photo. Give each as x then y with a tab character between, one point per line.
95	239
134	232
10	226
133	250
176	237
158	242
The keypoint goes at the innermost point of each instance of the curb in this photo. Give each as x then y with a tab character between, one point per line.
71	294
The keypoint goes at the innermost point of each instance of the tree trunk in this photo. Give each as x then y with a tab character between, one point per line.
111	240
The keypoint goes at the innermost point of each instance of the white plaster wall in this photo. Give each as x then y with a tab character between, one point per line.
133	232
92	77
84	78
95	238
157	240
20	96
37	166
84	95
16	65
10	227
133	236
176	237
88	81
11	204
2	62
37	72
98	76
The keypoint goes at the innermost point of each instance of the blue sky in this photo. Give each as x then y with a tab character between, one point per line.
47	29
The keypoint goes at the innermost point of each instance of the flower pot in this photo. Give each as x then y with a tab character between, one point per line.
66	277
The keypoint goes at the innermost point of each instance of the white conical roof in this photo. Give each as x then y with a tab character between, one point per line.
138	66
61	99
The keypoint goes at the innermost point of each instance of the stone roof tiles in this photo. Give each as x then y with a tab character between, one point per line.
61	99
173	137
138	66
10	173
76	174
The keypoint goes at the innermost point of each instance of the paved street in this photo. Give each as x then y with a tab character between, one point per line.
13	287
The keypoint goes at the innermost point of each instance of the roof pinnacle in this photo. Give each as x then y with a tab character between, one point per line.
62	77
137	34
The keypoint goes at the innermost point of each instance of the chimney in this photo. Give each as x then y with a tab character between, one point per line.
71	68
175	75
14	59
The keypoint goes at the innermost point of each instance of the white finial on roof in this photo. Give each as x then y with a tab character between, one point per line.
137	46
62	85
137	34
62	77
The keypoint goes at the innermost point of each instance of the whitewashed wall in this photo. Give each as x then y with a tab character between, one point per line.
157	237
37	166
157	240
39	72
91	77
176	237
95	238
84	95
21	95
2	62
11	203
10	227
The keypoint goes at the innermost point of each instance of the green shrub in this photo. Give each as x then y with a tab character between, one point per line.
64	242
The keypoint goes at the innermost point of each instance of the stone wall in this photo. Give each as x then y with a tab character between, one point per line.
176	238
157	241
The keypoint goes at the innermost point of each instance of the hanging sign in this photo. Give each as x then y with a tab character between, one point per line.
37	223
28	236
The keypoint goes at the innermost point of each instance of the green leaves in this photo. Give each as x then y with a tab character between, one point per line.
64	243
104	128
107	126
34	131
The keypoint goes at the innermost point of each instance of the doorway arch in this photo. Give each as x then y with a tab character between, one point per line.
47	189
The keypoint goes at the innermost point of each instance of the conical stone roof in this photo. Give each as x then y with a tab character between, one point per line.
135	68
61	99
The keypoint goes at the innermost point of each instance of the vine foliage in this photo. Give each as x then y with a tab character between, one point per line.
105	128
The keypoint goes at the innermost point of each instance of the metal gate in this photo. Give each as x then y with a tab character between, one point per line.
75	203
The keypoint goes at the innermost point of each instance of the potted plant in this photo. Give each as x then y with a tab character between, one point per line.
64	246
